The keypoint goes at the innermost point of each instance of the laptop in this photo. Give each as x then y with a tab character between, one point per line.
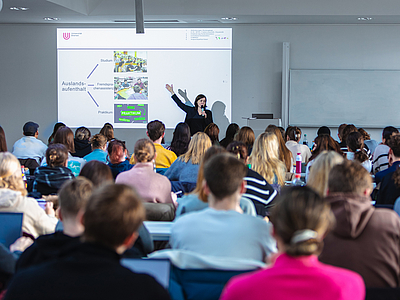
159	269
11	227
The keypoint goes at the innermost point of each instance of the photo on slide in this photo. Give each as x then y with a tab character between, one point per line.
131	113
130	61
131	88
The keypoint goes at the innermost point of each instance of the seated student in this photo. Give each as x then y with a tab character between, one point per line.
212	131
117	155
284	153
180	139
292	143
151	187
186	167
342	143
258	190
72	198
65	136
389	191
29	146
97	172
13	198
349	128
366	239
380	155
55	129
198	200
246	135
300	219
356	151
156	133
108	132
99	146
81	142
231	131
91	270
221	230
50	178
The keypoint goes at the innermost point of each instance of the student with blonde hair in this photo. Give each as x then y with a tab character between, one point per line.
300	221
264	159
318	178
186	167
13	198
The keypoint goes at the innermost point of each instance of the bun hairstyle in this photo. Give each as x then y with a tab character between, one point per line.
98	141
238	149
355	142
56	155
82	133
294	133
301	219
144	150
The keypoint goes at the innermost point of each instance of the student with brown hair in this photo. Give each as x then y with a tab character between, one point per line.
246	136
380	156
212	131
366	239
117	154
232	234
300	221
99	147
356	151
293	134
92	269
50	178
97	172
3	142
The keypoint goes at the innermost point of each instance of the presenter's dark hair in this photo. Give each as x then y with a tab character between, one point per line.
180	139
155	129
3	142
196	100
65	136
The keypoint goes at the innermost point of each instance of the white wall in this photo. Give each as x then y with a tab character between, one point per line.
28	69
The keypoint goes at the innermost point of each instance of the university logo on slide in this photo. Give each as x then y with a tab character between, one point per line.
66	35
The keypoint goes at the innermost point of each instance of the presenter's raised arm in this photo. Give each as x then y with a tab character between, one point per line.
178	102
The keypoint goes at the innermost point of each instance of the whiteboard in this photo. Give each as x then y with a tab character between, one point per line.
366	98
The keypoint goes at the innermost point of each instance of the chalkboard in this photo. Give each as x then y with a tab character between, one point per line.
366	98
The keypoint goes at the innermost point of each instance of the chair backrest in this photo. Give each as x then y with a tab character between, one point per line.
382	294
11	227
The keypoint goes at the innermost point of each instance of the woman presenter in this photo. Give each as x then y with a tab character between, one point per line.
197	117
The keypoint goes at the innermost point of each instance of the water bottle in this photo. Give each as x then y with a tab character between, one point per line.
24	176
297	179
305	142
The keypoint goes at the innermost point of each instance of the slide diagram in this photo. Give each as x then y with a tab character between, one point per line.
131	113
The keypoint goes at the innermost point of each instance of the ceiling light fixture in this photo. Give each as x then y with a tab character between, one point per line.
50	19
19	8
229	18
364	19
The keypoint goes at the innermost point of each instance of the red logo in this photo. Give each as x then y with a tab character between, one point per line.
66	36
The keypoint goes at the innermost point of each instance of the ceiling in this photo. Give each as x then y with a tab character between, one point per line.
202	11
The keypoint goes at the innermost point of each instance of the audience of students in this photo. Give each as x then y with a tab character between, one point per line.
217	219
92	269
222	230
366	239
99	146
50	178
82	142
300	221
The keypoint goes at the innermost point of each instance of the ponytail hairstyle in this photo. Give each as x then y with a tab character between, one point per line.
294	133
56	155
98	141
108	131
355	142
144	150
301	218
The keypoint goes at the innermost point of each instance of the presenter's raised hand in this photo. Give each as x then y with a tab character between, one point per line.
170	88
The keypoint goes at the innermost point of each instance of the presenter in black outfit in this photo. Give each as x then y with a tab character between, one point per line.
197	117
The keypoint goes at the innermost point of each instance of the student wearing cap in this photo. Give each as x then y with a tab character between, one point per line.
30	146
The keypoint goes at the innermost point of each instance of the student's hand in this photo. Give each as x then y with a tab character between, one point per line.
21	244
174	197
170	88
49	209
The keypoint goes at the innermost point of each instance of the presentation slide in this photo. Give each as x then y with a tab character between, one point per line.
118	76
